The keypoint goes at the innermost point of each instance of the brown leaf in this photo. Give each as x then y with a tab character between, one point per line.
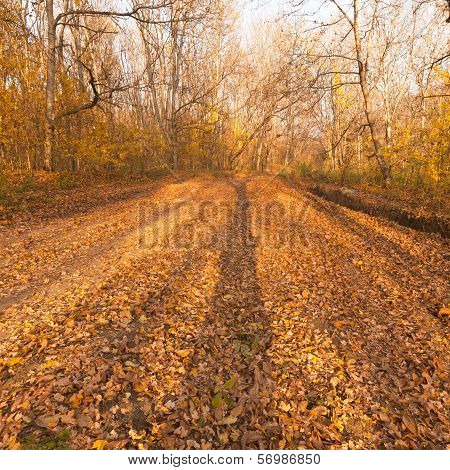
410	424
303	406
250	436
318	411
227	420
84	421
237	410
44	344
48	422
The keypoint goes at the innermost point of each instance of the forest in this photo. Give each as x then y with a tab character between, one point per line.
356	92
224	224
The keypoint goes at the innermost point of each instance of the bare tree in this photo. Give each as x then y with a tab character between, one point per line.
71	17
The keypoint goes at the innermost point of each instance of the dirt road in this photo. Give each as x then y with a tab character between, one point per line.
223	313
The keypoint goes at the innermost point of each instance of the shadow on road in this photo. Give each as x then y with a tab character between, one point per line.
229	375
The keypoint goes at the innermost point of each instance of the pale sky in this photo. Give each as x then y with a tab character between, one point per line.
255	11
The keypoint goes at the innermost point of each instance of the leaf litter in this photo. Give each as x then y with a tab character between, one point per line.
336	338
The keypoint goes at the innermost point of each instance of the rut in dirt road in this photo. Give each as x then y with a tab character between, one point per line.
234	362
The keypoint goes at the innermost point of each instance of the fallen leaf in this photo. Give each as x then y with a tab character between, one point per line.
140	387
135	436
251	436
84	421
230	383
410	424
284	406
184	352
100	444
76	399
237	410
217	400
318	411
227	420
334	381
48	422
50	364
13	361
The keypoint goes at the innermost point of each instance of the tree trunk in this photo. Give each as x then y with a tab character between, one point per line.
362	70
388	130
174	146
358	149
50	88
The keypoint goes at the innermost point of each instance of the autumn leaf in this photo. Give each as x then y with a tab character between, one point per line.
135	435
410	424
47	421
237	410
224	437
229	384
99	444
140	387
251	436
184	352
51	364
284	406
334	381
13	361
227	420
76	399
13	444
84	421
318	411
303	406
217	400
